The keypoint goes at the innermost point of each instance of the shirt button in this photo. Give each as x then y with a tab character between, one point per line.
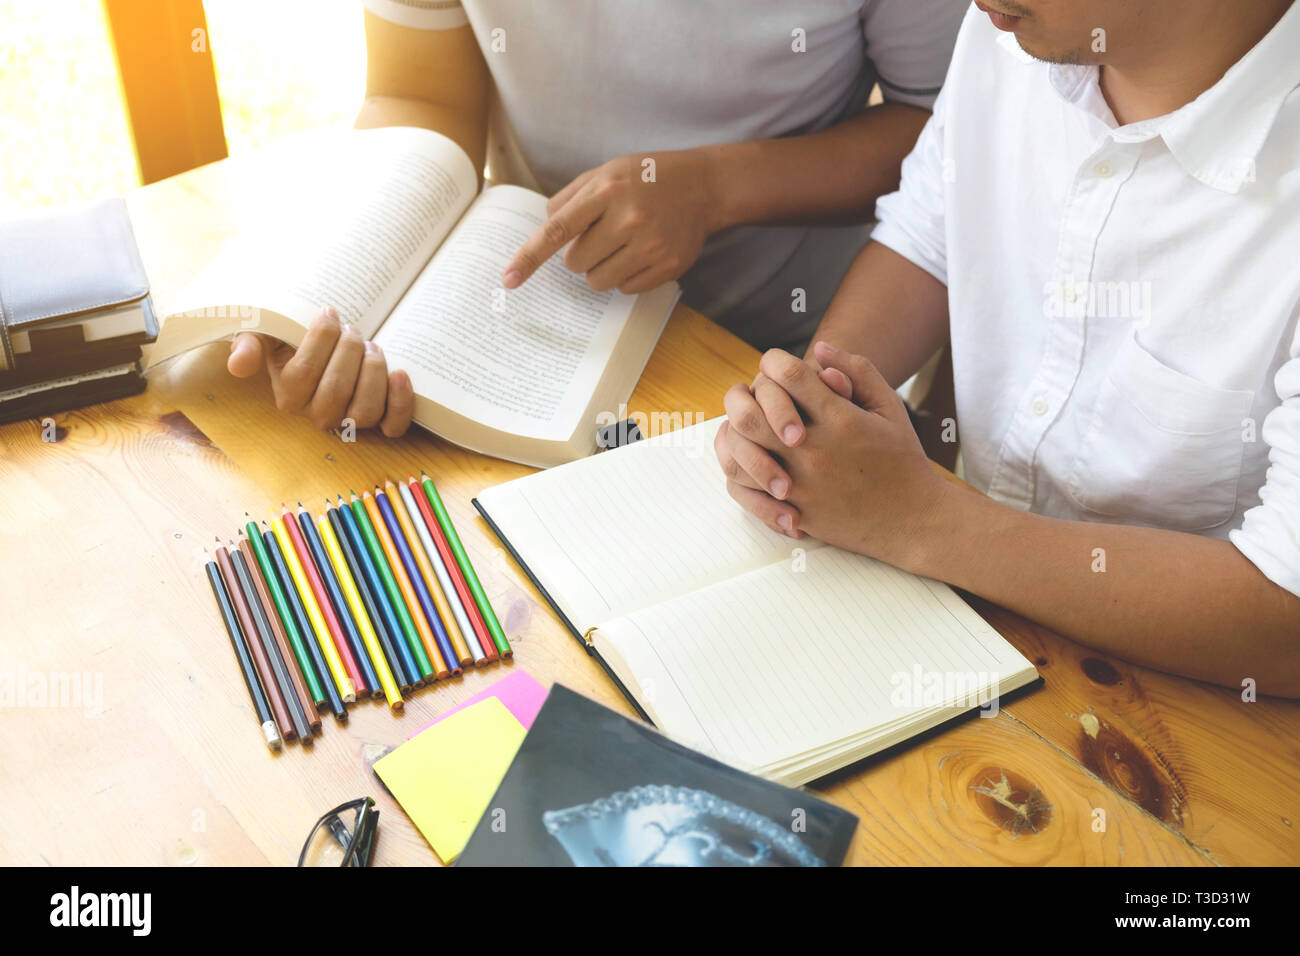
1070	294
1103	169
1039	406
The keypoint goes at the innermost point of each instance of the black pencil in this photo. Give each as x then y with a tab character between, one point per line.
272	650
260	705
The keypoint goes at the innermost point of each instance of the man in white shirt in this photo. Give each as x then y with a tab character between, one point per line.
768	160
1104	213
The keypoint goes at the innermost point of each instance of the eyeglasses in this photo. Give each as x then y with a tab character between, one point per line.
343	837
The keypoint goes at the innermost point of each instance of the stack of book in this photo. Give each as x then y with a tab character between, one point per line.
74	310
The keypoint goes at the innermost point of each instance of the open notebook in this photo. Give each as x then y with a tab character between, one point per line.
785	658
388	226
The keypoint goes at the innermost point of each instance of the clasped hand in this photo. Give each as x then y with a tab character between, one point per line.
824	446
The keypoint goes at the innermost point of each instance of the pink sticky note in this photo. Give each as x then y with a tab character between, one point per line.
520	694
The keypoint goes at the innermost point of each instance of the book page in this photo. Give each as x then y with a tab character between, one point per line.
783	660
344	218
632	527
524	361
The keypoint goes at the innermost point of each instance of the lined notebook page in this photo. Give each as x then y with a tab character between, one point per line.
623	530
778	662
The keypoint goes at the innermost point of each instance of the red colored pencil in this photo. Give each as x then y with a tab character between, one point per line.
322	598
453	571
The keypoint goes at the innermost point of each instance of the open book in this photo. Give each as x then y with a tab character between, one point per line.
385	225
785	658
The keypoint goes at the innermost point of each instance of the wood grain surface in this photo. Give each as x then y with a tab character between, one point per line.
151	754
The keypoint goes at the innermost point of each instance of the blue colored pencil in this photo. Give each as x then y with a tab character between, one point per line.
341	609
417	580
382	601
363	588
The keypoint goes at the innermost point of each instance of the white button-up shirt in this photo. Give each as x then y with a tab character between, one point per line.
1123	299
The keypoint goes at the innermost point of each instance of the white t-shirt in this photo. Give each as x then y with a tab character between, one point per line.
578	83
1123	299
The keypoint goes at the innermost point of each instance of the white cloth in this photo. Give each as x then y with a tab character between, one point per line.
1123	300
580	82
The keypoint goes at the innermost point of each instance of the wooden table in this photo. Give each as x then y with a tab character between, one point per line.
103	587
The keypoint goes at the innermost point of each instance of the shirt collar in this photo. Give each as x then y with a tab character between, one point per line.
1217	136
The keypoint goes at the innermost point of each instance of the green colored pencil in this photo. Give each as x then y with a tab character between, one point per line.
467	569
390	585
286	616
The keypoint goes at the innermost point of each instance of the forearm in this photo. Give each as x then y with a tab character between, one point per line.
825	178
1181	603
467	128
888	309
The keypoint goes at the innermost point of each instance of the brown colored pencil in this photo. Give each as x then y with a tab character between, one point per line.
278	708
281	639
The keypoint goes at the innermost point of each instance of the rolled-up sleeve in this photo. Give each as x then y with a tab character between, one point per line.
909	42
419	14
1270	532
911	219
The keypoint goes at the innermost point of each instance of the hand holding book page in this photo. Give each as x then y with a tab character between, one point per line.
383	225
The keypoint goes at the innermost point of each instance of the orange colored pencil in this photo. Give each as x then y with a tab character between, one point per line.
404	585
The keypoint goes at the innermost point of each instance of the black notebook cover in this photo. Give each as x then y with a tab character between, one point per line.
590	787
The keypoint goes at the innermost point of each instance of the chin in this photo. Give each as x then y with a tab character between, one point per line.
1048	54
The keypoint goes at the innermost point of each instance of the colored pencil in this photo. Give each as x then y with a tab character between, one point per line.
377	552
427	640
341	679
273	695
456	593
269	731
351	635
317	585
390	630
383	675
466	567
306	666
407	547
276	553
279	671
281	639
421	549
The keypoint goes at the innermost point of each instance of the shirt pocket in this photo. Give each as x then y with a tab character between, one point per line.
1160	447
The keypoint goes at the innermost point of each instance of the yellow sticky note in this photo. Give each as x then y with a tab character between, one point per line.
444	776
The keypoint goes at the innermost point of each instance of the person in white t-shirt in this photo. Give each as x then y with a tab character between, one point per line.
1104	214
767	159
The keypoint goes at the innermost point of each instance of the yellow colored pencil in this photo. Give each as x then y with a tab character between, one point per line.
398	496
346	689
353	596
